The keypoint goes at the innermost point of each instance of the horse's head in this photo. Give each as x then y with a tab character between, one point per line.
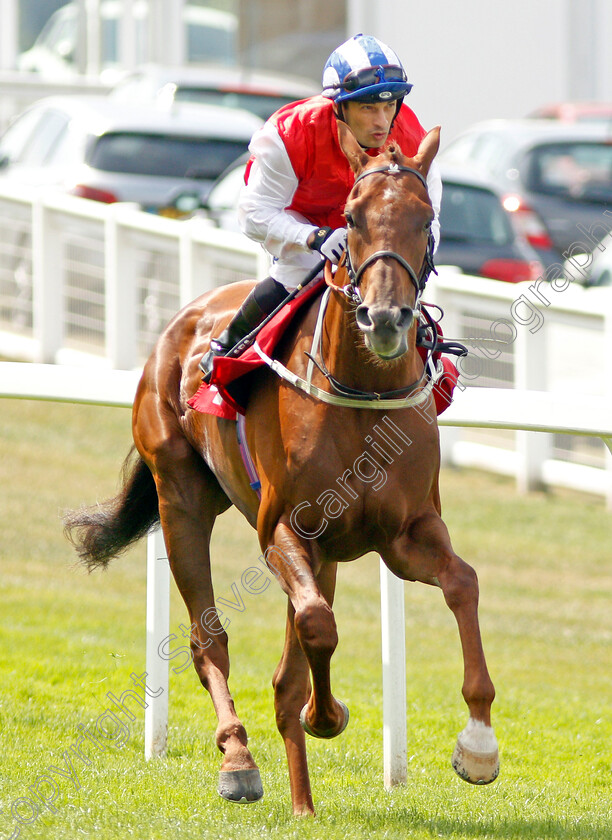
388	215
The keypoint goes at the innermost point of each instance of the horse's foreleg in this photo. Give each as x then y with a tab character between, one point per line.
315	627
476	756
189	501
310	642
428	556
291	691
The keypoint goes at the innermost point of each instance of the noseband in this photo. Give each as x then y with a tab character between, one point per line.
419	280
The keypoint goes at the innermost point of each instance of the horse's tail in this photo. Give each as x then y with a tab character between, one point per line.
105	530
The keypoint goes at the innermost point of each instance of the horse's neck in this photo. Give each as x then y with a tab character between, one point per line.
349	360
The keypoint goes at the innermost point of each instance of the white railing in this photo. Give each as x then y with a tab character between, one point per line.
91	283
80	276
552	338
520	410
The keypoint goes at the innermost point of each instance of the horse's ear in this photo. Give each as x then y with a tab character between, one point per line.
353	152
428	149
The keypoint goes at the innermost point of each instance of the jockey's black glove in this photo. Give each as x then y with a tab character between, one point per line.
330	243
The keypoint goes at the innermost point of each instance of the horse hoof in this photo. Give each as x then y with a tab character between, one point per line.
327	733
476	755
240	785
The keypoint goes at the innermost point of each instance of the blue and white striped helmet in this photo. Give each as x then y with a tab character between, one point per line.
366	69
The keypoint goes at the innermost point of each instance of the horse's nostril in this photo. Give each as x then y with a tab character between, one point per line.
406	317
363	316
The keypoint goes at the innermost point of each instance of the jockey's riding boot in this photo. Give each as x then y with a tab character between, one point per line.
258	304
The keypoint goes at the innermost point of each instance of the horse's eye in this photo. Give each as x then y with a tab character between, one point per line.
350	222
427	226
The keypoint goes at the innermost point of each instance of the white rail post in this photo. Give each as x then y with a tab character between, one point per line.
608	393
531	374
451	325
167	32
195	275
158	624
121	292
9	14
393	630
94	32
47	282
128	36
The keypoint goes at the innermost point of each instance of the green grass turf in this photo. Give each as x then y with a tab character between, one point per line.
68	638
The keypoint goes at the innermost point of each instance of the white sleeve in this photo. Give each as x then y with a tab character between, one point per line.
262	208
434	188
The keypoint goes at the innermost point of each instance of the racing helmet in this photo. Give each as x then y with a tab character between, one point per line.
364	68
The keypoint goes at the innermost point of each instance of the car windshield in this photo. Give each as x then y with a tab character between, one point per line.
264	105
474	214
575	170
176	157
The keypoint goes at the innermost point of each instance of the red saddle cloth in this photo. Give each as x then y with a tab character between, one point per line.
228	390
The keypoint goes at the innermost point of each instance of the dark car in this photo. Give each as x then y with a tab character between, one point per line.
477	233
553	176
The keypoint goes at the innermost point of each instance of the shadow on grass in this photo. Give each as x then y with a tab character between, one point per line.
511	828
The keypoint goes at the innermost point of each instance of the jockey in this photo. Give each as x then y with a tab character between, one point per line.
298	178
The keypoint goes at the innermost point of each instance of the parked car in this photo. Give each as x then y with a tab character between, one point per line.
476	231
211	36
231	87
110	151
221	203
574	112
477	234
553	176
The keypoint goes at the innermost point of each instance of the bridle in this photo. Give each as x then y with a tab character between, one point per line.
409	396
418	280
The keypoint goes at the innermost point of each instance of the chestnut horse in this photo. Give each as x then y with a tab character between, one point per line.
189	469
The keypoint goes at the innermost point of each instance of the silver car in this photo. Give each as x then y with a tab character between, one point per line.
555	178
110	151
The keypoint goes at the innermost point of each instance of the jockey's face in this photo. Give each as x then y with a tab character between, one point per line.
370	122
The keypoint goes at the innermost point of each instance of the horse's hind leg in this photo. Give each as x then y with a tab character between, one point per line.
189	501
428	556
